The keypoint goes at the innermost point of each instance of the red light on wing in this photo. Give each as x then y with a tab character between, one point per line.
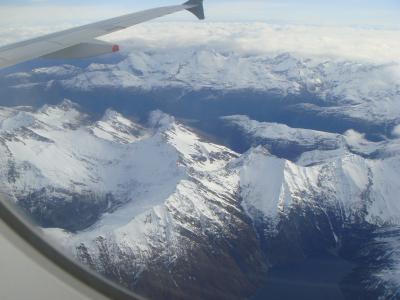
115	48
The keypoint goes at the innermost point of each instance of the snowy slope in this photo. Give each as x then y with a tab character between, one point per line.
114	127
347	189
275	131
166	191
160	192
281	139
310	142
360	89
364	91
148	221
53	148
57	161
359	186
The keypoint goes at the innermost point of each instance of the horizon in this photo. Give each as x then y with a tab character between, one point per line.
358	13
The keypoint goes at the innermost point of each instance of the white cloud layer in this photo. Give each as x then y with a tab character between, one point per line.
396	131
353	137
370	45
261	38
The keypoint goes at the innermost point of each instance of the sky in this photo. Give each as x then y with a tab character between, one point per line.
364	13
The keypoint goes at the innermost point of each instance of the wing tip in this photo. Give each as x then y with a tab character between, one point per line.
196	8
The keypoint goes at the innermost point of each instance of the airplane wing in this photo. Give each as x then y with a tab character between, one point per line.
80	42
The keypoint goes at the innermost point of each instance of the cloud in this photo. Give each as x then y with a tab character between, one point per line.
262	38
364	45
353	137
396	131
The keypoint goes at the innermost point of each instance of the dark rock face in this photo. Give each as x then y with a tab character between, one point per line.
213	265
355	241
217	265
224	269
310	231
304	232
66	210
367	246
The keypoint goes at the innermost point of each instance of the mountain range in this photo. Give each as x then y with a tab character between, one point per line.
158	205
198	168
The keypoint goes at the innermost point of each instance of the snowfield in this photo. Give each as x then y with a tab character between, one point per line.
163	180
360	90
355	72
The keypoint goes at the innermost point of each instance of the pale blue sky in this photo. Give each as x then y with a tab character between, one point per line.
385	13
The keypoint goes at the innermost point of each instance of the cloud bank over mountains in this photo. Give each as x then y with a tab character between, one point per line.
262	38
371	45
356	68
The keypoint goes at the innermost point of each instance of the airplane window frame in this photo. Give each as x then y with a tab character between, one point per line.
22	226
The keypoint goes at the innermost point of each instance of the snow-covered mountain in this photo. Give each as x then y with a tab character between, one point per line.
303	144
157	203
330	198
357	90
358	186
134	203
155	206
362	91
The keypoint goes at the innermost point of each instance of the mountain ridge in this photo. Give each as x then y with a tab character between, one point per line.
173	195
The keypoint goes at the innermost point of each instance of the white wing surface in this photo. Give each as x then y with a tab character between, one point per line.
80	41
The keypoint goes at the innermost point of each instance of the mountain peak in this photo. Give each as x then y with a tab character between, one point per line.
16	121
113	126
